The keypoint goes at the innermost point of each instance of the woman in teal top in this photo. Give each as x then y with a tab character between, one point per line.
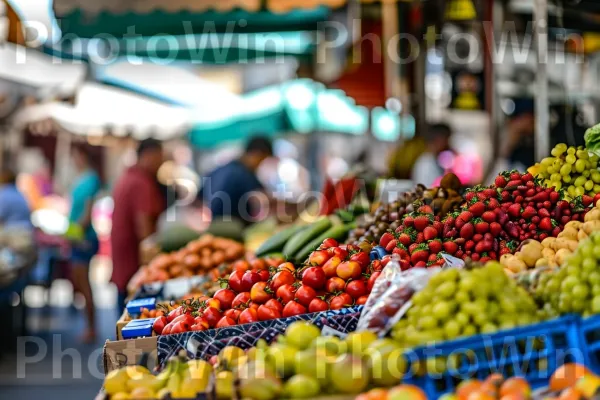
82	235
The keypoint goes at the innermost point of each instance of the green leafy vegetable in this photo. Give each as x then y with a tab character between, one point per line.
592	139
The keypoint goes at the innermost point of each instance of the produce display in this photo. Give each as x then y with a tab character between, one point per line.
180	380
334	277
201	256
441	199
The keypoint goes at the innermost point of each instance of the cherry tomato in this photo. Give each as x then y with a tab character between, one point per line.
349	270
186	318
362	258
281	278
275	304
212	316
248	280
313	277
362	300
180	327
224	322
253	305
258	264
317	305
266	313
330	267
176	312
287	265
159	325
335	284
376	265
286	293
318	257
293	308
340	301
202	320
167	329
225	297
241	265
305	294
197	327
264	275
371	281
340	252
260	293
328	243
248	316
356	288
235	281
233	314
241	300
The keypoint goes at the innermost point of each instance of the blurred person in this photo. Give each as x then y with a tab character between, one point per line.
427	169
83	237
138	202
227	188
14	209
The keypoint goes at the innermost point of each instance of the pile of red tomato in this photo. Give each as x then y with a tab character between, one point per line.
335	276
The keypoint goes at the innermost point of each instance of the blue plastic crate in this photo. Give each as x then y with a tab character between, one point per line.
590	337
134	307
533	352
138	328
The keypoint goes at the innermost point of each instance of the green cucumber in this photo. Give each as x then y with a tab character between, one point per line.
299	240
276	242
337	232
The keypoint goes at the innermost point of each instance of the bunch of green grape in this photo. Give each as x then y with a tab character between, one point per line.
573	169
458	303
574	287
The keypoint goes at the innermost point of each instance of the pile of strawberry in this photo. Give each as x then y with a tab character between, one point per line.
336	276
493	221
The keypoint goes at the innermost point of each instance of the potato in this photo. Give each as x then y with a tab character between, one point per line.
572	245
560	243
532	242
582	235
516	265
504	259
548	254
569	233
574	224
593	215
549	242
591	226
561	255
530	253
542	262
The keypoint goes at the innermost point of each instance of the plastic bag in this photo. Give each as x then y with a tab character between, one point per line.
390	298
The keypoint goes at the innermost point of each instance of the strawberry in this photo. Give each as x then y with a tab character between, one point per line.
529	212
435	246
545	224
481	196
469	245
465	216
385	239
475	257
467	231
514	210
401	251
500	181
425	210
492	204
412	247
586	200
432	258
420	238
554	196
543	213
459	253
470	196
408	221
406	239
391	245
450	247
481	226
421	222
451	234
420	253
556	231
488	216
527	177
489	193
477	237
495	228
477	209
563	204
515	175
448	225
439	226
430	233
480	247
505	196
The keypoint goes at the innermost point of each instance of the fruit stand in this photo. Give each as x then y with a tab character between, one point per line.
489	292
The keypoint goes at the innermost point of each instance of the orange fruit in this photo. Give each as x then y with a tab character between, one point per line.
406	392
481	395
465	388
570	394
377	394
495	379
566	376
515	385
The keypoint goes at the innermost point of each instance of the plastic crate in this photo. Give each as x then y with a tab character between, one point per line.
590	337
533	352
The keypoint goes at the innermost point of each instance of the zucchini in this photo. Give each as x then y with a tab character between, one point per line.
276	242
337	232
299	240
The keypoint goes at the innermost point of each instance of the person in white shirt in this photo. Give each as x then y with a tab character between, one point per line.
427	169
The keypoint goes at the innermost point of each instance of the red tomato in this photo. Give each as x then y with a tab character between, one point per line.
281	278
349	270
197	327
335	285
318	257
181	326
340	301
317	305
356	288
174	313
167	329
292	308
286	293
274	304
340	252
214	303
287	265
159	325
371	281
328	243
186	318
235	281
313	277
362	258
225	321
248	280
362	300
305	294
212	316
264	275
241	265
233	314
203	321
241	300
258	264
248	316
260	293
225	297
265	313
253	305
376	265
331	265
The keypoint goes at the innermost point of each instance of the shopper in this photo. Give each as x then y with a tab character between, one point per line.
427	168
226	190
138	202
14	210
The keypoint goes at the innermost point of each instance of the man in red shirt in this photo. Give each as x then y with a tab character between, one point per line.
138	202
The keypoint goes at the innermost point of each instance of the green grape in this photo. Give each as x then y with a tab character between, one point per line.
452	329
547	161
580	291
571	191
427	322
557	152
557	185
551	170
566	178
571	150
596	304
580	181
565	169
589	263
594	158
580	166
596	189
579	191
582	154
568	284
570	158
442	310
586	173
555	177
589	185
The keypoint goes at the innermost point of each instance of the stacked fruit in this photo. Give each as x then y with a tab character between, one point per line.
575	287
179	380
403	391
465	302
303	364
442	200
571	168
493	387
492	222
335	277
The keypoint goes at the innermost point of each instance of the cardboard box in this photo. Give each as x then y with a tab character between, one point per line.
123	320
142	351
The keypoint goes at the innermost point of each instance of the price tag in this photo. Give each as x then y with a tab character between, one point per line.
453	262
